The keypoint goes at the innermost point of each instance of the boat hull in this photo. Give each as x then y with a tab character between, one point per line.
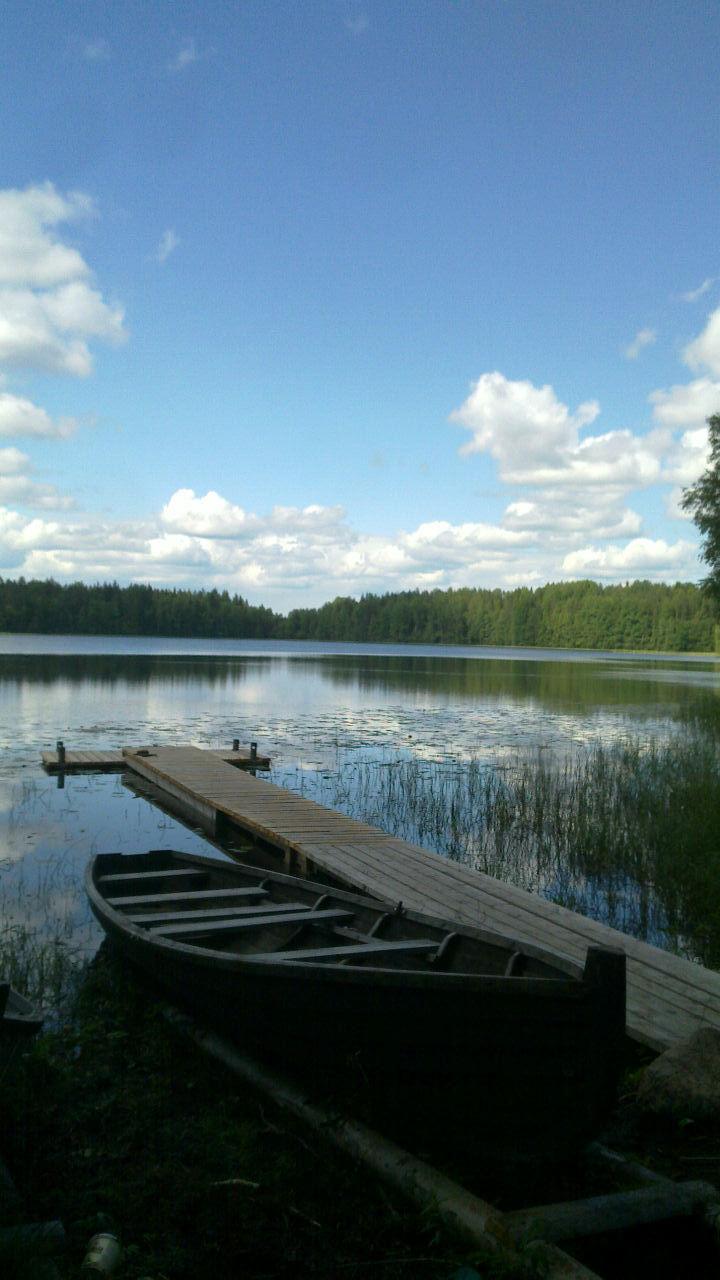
528	1063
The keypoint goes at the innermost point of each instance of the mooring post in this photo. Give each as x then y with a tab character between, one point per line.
236	744
253	750
60	748
605	976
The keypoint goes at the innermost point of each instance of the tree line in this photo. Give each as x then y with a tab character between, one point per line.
677	618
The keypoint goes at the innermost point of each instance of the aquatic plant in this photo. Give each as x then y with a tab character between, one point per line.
625	832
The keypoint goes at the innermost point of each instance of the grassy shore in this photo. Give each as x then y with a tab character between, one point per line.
112	1121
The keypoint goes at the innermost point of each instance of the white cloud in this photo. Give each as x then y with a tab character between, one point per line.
185	57
536	440
210	541
704	351
566	522
49	311
688	457
16	485
12	462
169	241
645	338
683	405
637	559
208	517
694	294
318	519
440	540
30	252
27	493
20	417
50	330
508	419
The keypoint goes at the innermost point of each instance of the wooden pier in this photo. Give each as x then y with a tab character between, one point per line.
62	761
667	997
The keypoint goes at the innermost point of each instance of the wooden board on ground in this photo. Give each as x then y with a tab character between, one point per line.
668	997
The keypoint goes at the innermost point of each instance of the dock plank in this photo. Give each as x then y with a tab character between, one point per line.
109	760
668	997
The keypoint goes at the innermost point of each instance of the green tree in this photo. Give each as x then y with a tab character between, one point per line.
703	500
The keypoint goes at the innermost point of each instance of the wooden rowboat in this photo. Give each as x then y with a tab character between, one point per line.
502	1038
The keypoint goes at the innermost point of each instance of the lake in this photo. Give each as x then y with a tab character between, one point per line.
325	713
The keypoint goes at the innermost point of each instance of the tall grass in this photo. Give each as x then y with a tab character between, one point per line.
42	950
628	833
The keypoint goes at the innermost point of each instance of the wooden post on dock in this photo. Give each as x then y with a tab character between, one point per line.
605	976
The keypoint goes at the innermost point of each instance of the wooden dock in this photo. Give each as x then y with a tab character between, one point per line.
667	998
108	761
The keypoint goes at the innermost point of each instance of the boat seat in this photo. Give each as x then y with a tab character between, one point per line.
260	921
371	948
191	895
210	913
117	876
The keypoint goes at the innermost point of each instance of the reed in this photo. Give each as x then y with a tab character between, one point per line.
43	945
627	833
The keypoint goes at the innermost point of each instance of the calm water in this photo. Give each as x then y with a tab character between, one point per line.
313	708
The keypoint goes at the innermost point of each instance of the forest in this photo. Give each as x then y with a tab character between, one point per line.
674	618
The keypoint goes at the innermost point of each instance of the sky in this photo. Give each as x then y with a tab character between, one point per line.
310	298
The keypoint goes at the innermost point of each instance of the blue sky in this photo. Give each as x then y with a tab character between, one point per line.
314	299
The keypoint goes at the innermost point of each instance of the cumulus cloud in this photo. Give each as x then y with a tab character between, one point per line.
30	251
685	404
27	493
636	559
704	351
645	338
609	517
49	310
50	314
210	516
209	540
688	457
536	440
20	417
17	486
440	540
507	419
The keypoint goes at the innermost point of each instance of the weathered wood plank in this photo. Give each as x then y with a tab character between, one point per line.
114	761
198	896
305	915
355	949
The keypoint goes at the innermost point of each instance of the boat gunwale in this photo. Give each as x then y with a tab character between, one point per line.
567	984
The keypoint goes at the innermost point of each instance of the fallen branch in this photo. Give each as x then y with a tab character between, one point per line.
465	1213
